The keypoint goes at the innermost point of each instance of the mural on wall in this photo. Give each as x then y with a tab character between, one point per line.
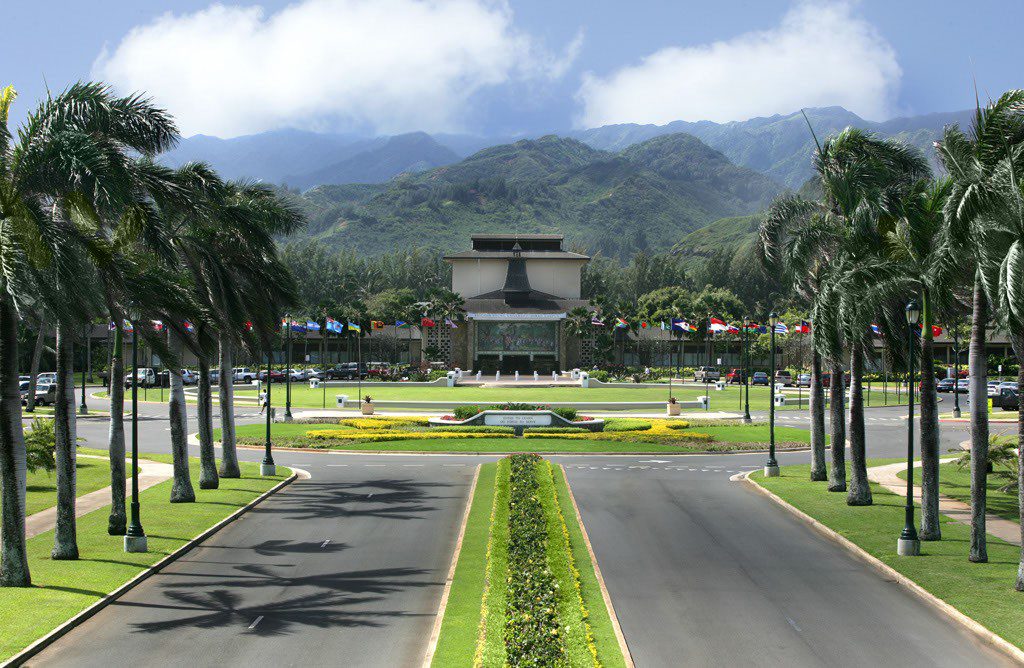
516	337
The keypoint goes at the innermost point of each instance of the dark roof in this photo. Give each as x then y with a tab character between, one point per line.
521	237
504	255
535	302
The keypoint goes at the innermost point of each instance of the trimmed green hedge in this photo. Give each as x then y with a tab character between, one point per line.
533	635
482	429
556	430
626	424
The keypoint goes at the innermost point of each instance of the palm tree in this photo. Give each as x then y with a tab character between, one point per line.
37	353
577	324
795	243
970	162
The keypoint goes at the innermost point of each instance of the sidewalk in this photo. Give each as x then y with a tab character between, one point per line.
887	477
150	473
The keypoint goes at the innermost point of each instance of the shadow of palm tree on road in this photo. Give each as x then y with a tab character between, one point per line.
384	498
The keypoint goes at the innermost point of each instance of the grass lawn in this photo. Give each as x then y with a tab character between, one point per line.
92	474
956	484
729	399
474	624
60	589
983	592
726	437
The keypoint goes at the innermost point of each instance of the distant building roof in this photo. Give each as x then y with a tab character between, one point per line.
535	302
526	254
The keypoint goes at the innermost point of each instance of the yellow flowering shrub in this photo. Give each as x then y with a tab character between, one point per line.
383	423
379	436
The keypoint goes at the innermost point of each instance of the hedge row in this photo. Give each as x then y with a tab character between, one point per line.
533	636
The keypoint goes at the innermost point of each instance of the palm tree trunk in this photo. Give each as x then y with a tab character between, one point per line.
977	365
228	454
860	488
181	489
65	542
117	522
14	570
1019	586
207	458
37	355
837	428
930	528
817	409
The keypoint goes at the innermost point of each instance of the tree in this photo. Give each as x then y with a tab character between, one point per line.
971	162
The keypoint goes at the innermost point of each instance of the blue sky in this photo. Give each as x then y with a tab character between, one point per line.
528	66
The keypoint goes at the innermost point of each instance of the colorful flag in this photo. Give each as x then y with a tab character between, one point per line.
689	328
128	326
427	322
298	327
376	324
401	324
248	325
448	321
643	324
596	322
313	325
620	323
803	328
158	325
678	325
875	330
752	327
189	327
662	325
717	325
781	328
284	323
936	330
732	329
353	327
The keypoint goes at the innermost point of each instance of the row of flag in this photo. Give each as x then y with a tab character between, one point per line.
877	331
338	327
715	326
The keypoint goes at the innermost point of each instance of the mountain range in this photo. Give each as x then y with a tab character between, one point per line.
778	146
643	197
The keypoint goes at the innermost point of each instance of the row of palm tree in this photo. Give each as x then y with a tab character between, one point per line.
882	230
92	228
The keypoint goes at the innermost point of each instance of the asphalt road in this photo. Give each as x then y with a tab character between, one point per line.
701	571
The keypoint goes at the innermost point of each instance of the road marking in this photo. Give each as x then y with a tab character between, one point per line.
794	625
412	464
324	544
370	495
255	622
654	461
337	465
374	464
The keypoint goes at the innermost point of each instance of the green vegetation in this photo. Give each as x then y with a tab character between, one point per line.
61	589
983	592
621	435
552	612
955	482
92	474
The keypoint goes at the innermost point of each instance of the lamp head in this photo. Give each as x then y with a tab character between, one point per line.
913	312
773	319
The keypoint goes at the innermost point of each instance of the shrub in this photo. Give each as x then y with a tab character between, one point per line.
465	412
480	429
513	406
40	441
533	635
556	430
375	424
566	412
600	375
434	374
678	424
626	424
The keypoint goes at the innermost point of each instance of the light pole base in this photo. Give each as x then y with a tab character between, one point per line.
268	469
747	419
771	471
908	547
135	544
83	410
287	417
956	412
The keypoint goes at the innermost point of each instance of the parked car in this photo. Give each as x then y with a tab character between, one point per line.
963	385
945	385
734	376
347	371
803	380
784	377
1008	399
46	395
48	378
276	376
189	377
146	378
759	378
707	374
243	374
826	379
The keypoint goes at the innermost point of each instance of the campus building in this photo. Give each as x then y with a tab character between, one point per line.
518	289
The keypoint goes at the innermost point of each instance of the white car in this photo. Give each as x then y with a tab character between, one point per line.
146	378
189	377
243	374
48	378
298	374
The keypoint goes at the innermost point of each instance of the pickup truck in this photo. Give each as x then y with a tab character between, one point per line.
707	374
243	374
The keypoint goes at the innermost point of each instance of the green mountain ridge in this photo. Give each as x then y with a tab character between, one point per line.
644	198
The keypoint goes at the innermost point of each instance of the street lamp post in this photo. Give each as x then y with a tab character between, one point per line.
83	409
135	537
288	374
956	372
908	544
746	370
771	467
267	466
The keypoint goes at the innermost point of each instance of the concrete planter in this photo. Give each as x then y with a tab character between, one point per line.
366	408
673	409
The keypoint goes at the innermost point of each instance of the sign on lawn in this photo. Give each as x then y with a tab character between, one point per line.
517	419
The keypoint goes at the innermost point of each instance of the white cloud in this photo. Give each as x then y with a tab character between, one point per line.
821	54
386	65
